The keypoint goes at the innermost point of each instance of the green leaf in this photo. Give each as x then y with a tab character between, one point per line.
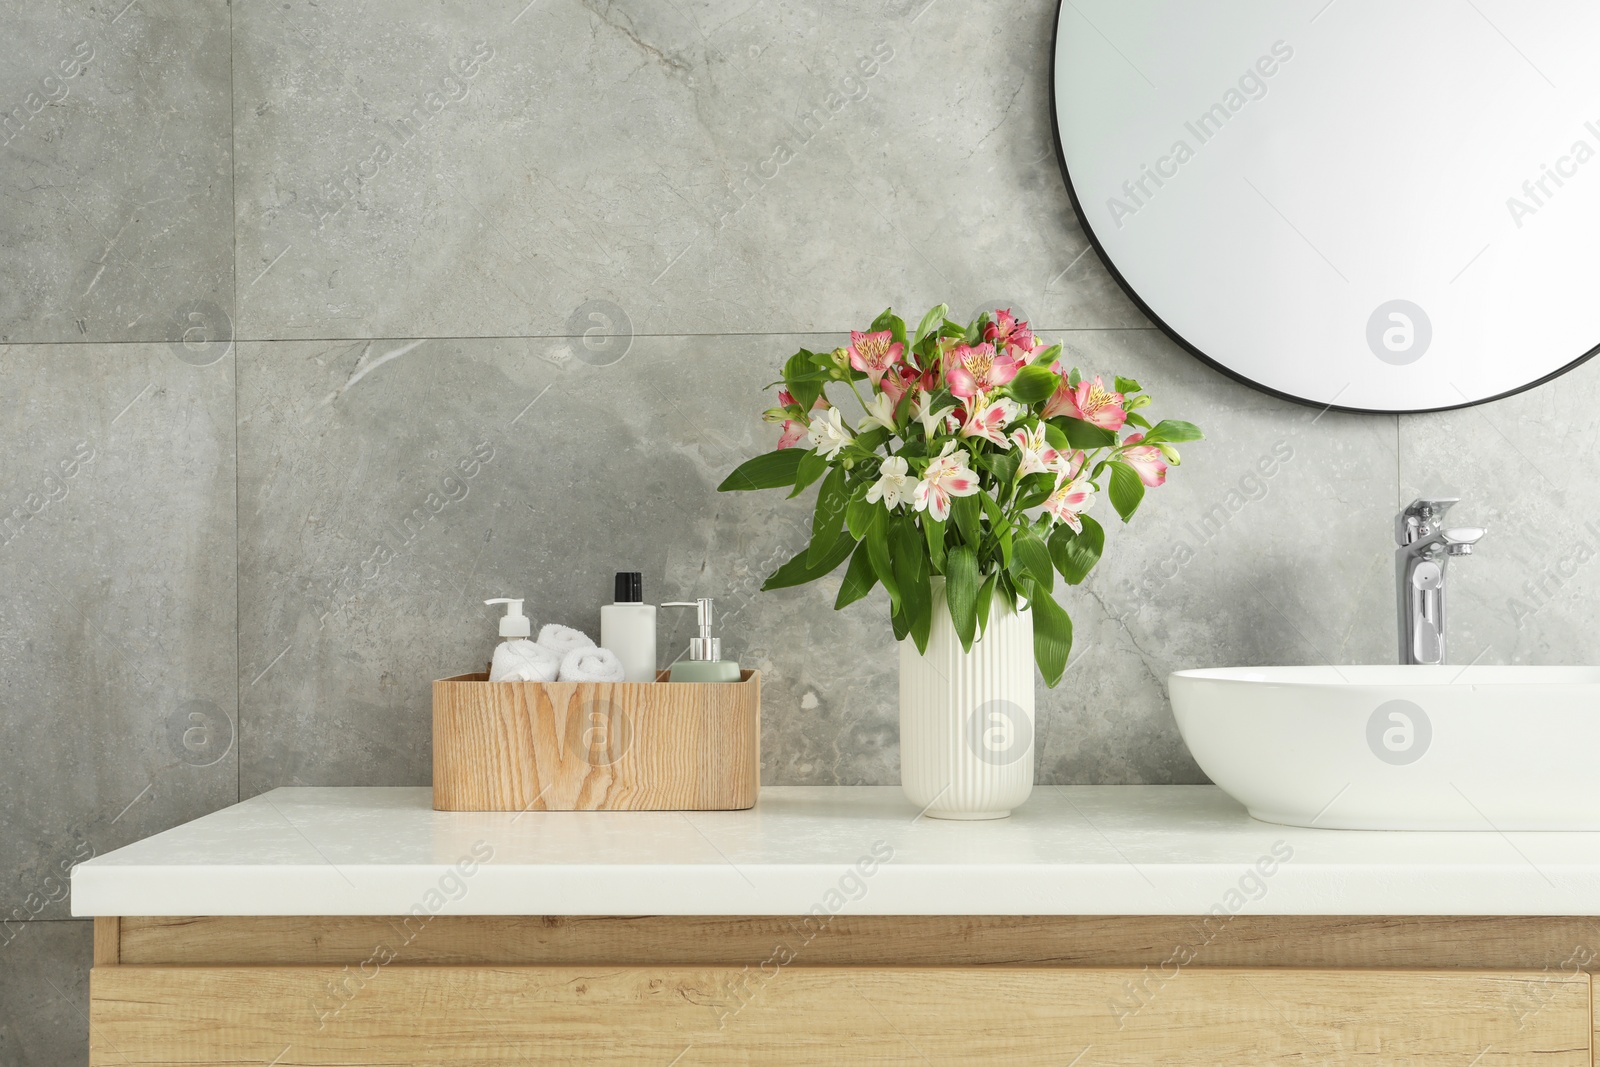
929	323
999	525
771	470
1003	465
1076	554
1126	385
904	538
1034	559
877	540
812	466
961	592
891	322
897	619
1039	488
1034	384
798	571
1173	431
803	380
933	531
911	571
1134	419
859	512
964	512
1126	490
922	620
1055	436
1073	378
858	579
1082	434
871	440
1045	356
1008	593
985	602
832	499
1052	636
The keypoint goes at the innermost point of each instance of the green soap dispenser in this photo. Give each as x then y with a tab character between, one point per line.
705	662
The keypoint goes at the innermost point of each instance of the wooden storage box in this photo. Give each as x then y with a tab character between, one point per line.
606	746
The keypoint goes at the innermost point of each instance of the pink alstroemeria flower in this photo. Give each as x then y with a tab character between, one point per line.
1006	331
786	398
989	421
1146	460
1068	503
794	431
947	476
874	353
1069	464
1037	455
1090	401
978	370
899	381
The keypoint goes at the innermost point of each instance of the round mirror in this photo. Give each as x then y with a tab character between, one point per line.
1368	205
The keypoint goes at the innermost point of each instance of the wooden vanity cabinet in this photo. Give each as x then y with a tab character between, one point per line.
922	990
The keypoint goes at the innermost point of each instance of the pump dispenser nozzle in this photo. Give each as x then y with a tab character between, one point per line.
514	624
704	647
705	652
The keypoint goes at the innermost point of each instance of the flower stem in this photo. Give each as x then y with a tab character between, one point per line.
851	383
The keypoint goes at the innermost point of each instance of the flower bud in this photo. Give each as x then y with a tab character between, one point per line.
1170	452
1140	401
841	358
774	415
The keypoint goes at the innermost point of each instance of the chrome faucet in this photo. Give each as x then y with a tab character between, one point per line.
1419	564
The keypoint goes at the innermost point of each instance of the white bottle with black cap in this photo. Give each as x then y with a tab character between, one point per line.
628	629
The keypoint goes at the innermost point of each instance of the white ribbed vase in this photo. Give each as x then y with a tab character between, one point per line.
966	718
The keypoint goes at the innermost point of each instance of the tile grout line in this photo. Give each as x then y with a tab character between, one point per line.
809	332
233	329
1399	466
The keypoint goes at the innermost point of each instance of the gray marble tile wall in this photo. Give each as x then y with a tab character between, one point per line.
321	323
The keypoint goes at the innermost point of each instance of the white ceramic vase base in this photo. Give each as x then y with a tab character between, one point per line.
967	816
967	718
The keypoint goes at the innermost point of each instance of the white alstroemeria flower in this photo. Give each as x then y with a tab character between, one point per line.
947	476
1069	501
892	486
929	418
828	435
1037	455
990	420
880	412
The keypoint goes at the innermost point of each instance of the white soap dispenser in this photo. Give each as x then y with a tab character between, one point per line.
517	659
628	628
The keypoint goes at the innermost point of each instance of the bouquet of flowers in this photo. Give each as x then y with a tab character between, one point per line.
975	457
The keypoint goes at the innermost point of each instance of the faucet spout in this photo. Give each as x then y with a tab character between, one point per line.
1422	556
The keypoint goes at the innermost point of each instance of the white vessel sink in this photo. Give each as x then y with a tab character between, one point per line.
1400	748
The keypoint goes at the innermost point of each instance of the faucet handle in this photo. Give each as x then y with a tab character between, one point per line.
1424	511
1459	541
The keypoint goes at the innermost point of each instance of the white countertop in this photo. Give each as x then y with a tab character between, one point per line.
1070	850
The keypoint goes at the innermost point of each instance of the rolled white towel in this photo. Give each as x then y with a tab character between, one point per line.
523	661
591	665
563	639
